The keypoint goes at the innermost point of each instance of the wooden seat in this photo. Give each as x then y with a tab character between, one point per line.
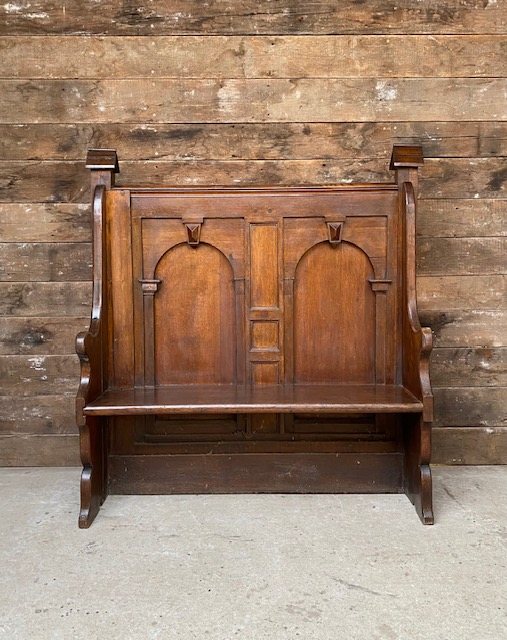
254	339
261	399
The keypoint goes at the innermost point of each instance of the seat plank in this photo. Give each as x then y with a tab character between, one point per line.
222	398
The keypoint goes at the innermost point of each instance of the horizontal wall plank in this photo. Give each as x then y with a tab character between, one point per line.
37	414
447	256
469	367
254	57
39	336
49	261
68	182
39	450
39	375
457	328
46	222
475	445
256	141
462	218
274	100
435	293
251	17
51	299
470	406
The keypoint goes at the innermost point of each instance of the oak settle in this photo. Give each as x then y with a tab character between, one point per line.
254	340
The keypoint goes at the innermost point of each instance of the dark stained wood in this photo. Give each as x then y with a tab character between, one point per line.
255	141
266	398
249	17
254	330
290	473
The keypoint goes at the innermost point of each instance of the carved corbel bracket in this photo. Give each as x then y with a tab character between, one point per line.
149	287
193	226
335	228
379	285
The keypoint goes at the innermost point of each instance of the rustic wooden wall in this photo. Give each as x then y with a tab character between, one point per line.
251	91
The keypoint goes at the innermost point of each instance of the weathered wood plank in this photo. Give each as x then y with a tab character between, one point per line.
48	261
256	141
462	218
39	375
46	222
37	414
274	100
351	56
470	406
249	17
39	450
68	182
457	328
469	367
461	256
51	299
39	336
435	293
475	445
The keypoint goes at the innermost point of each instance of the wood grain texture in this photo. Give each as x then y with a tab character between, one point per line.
435	293
62	181
461	218
48	261
247	17
253	57
39	336
470	406
459	328
252	100
129	86
475	445
38	415
38	375
255	141
469	367
34	450
462	256
46	222
55	299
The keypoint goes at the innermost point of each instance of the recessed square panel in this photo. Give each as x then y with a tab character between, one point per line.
264	335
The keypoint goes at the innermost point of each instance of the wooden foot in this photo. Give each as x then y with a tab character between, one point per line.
94	474
417	481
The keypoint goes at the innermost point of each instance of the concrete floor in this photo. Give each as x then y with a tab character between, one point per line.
271	567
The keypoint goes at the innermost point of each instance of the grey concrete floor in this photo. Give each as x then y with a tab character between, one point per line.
272	567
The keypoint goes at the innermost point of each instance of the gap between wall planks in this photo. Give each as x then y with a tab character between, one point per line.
283	107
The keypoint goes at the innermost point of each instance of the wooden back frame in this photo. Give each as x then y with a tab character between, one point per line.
254	340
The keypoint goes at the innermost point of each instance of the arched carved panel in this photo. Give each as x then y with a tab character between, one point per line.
334	316
195	325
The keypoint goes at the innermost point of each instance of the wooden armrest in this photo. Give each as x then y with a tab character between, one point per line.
417	340
91	345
